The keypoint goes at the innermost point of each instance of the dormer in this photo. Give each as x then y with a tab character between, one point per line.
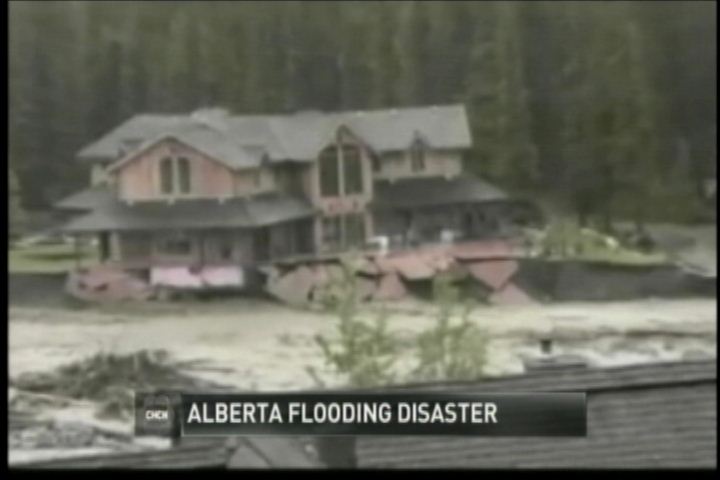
170	169
419	158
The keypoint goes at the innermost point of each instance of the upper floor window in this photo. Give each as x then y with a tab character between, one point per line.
352	170
166	175
176	244
184	174
329	173
417	157
349	165
175	176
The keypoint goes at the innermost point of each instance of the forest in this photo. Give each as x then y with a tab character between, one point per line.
605	108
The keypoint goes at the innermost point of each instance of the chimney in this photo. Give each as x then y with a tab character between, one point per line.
212	117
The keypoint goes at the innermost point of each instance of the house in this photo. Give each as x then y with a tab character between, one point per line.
210	189
661	415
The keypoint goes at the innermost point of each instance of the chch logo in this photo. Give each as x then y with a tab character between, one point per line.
154	414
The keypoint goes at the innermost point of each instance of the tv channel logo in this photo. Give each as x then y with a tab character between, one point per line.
155	414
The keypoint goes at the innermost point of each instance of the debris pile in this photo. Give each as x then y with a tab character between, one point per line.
488	265
52	435
105	283
112	380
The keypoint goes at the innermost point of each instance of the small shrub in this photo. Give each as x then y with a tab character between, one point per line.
450	350
363	352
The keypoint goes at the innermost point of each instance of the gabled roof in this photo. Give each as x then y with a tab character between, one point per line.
298	136
655	415
205	140
256	211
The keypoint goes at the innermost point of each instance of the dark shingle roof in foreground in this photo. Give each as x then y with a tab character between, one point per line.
257	211
434	191
658	415
200	453
300	136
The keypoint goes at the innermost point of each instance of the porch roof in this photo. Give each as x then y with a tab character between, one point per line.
432	191
257	211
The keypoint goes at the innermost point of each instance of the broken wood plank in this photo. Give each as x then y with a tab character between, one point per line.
510	294
294	287
390	287
493	273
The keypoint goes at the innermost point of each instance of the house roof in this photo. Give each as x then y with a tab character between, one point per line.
433	191
211	142
655	415
256	211
87	199
249	452
299	136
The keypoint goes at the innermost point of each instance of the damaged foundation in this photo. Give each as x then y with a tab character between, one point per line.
495	272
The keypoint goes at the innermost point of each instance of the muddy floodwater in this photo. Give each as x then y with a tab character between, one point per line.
257	345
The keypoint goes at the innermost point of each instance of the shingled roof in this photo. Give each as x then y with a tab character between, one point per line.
434	191
656	415
88	199
299	136
260	210
247	452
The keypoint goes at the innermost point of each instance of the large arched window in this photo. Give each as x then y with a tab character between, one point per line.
329	173
352	170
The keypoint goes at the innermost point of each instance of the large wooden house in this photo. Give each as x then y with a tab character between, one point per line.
210	188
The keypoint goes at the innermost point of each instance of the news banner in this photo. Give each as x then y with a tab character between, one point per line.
429	413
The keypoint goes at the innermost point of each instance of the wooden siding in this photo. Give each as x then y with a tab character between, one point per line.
255	181
139	179
397	165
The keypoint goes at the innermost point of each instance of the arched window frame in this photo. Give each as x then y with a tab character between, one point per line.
184	175
329	161
167	180
175	174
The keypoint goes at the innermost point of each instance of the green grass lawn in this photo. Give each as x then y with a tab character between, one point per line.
48	258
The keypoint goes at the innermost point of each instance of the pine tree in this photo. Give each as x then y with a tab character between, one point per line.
15	212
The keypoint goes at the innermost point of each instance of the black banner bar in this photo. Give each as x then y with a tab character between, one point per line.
431	413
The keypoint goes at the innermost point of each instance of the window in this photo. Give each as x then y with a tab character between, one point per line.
352	170
354	230
329	178
184	174
331	232
225	251
343	231
166	175
175	176
177	244
417	157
